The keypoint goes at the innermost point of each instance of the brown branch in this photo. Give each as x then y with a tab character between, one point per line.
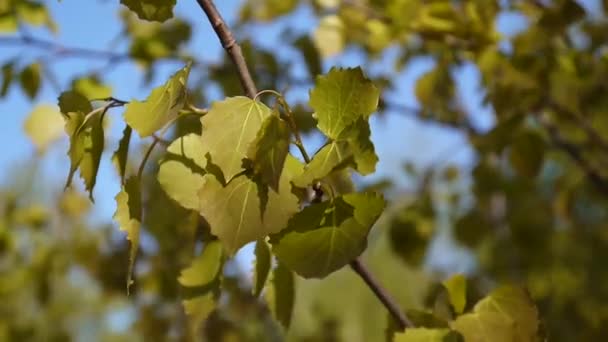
230	45
236	55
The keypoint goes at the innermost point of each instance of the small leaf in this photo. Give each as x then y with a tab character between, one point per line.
506	314
204	268
281	295
161	107
91	87
340	98
357	136
120	156
151	10
329	37
30	80
182	169
244	211
329	158
128	216
8	70
263	260
44	125
269	150
457	289
335	230
229	128
427	335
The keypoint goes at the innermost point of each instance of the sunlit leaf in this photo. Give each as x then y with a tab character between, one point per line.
128	215
204	268
329	158
229	128
199	308
91	87
182	169
427	335
269	150
153	10
43	126
329	36
335	230
161	107
244	211
263	262
357	136
457	289
341	97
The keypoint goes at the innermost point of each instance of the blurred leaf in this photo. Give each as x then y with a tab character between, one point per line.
91	87
204	268
128	216
43	126
281	295
527	153
427	335
153	10
161	107
457	289
336	230
8	70
311	56
30	79
266	10
263	262
329	36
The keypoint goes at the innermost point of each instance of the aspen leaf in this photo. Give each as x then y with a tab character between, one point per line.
357	136
263	261
269	150
335	230
151	10
161	107
30	79
427	335
229	128
281	295
43	126
329	158
341	97
120	156
457	289
128	216
204	268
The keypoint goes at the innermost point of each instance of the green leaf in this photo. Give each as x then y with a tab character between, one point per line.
161	107
182	169
340	98
205	268
329	158
357	136
506	314
151	10
269	150
120	156
335	230
527	153
30	79
263	261
281	295
43	126
427	335
8	70
199	308
86	138
91	87
34	13
246	211
457	289
229	128
128	216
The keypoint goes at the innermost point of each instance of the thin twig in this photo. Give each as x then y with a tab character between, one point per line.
62	50
230	45
236	55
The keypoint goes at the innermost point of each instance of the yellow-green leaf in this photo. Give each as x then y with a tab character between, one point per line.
427	335
281	295
43	126
457	289
269	150
30	79
263	261
204	269
128	216
329	158
152	10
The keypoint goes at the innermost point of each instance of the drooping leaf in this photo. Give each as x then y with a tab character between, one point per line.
120	156
91	87
244	211
281	295
86	138
457	289
8	70
427	335
30	79
204	268
335	230
161	107
506	314
329	158
269	150
152	10
44	125
341	97
128	216
182	169
357	136
263	261
229	128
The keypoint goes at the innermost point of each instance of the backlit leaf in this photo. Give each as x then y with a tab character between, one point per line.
263	260
457	289
199	308
204	268
341	97
152	10
229	128
161	107
120	156
269	150
427	335
43	126
128	216
234	212
335	230
91	87
281	295
357	136
182	169
329	158
30	79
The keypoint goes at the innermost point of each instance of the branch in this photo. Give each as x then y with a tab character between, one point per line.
236	55
230	45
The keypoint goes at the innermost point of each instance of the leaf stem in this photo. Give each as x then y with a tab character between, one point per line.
236	55
142	165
